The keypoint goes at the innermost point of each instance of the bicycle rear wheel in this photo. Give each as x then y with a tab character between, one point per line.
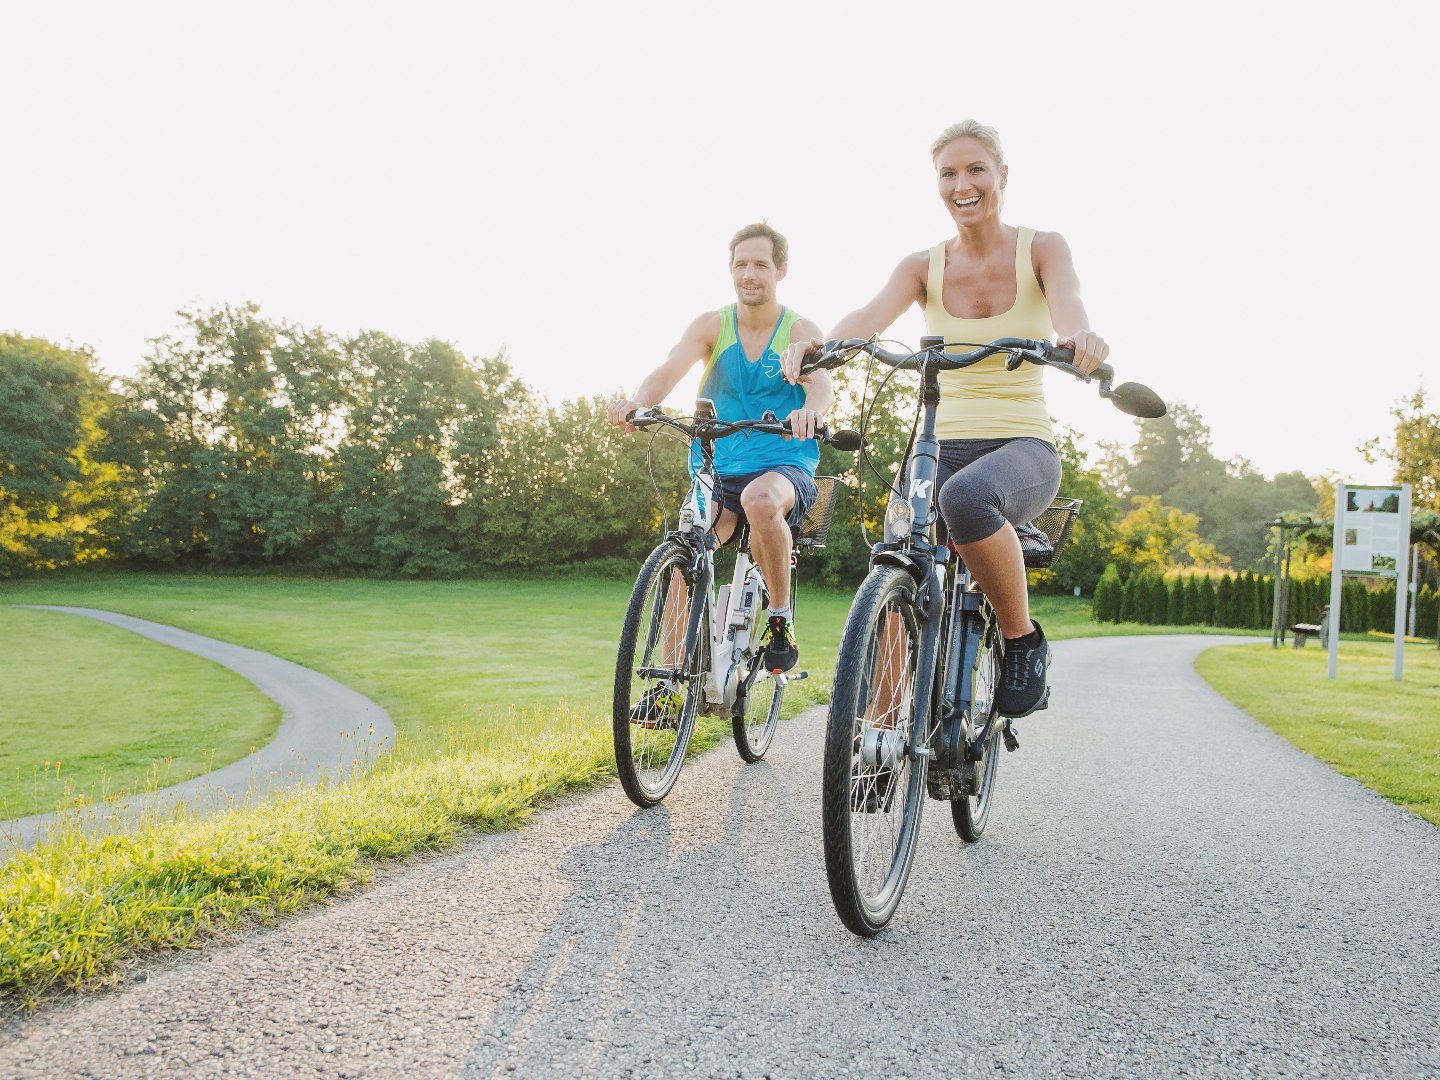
657	688
970	812
873	788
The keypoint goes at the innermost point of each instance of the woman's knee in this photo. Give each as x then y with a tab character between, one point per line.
972	509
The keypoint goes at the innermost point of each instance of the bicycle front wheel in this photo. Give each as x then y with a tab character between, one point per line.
657	692
758	714
970	812
873	788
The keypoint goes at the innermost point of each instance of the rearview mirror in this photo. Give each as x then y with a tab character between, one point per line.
1136	399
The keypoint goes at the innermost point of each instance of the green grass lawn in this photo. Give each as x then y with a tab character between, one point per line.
91	710
1384	733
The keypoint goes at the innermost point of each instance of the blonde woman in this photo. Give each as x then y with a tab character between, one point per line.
998	464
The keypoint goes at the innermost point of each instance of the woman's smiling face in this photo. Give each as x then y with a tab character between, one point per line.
970	183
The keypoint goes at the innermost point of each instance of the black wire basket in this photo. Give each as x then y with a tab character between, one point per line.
816	523
1055	522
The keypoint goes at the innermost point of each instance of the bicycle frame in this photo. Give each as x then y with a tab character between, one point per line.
954	619
717	640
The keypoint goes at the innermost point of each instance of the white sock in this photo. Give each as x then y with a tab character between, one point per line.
783	612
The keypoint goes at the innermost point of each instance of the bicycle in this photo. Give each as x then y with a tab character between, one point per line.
912	709
684	651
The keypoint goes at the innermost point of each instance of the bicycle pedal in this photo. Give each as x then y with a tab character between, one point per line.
799	675
1011	737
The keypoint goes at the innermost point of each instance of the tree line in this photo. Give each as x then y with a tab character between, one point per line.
244	441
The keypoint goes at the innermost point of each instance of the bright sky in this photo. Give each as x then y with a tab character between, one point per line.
1248	188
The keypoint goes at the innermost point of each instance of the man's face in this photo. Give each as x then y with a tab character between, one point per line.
754	271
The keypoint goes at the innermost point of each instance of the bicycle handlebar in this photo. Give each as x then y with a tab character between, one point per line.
710	430
1132	398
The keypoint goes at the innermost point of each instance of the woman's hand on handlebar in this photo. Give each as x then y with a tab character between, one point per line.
1090	349
794	355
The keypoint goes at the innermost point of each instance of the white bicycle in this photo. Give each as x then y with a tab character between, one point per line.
685	650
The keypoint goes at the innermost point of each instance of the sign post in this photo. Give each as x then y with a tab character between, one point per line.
1372	539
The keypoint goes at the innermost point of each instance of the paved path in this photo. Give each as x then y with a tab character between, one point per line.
1166	889
325	728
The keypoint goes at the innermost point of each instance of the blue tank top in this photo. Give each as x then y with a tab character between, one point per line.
743	389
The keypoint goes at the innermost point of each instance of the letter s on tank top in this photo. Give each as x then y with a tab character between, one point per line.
985	401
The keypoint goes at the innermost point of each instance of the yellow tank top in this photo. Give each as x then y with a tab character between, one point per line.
986	401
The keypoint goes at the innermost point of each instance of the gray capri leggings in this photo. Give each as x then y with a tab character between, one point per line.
984	483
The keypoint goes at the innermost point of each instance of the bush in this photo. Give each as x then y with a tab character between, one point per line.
1106	605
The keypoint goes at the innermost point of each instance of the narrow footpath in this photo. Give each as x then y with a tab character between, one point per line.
325	729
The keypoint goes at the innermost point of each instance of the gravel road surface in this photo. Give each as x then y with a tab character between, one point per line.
325	728
1166	889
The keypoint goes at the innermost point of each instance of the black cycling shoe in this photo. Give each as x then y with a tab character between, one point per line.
1035	546
658	708
871	790
781	651
1024	675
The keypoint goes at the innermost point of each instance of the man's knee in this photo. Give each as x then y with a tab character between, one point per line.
763	500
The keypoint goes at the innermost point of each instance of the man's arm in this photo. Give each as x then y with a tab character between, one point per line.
905	287
695	345
1055	269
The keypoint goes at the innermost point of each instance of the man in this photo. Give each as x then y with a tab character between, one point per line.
768	480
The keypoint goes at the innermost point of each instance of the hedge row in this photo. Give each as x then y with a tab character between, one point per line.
1245	601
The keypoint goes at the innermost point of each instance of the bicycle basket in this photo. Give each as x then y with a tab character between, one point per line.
816	523
1055	522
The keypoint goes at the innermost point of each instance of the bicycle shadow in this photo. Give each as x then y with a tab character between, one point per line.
614	972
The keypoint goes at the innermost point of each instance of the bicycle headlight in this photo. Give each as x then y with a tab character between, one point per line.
899	518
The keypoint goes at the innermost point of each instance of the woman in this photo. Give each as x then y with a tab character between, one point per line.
998	462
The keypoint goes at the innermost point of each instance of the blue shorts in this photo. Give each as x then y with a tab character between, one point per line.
728	489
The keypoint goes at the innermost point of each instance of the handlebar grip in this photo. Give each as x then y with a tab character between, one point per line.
1062	354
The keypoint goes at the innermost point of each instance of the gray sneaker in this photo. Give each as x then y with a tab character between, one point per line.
1025	669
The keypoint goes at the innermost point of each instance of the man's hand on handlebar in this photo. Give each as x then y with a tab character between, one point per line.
804	423
1090	350
619	410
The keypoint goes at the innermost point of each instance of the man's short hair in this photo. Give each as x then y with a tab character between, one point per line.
779	246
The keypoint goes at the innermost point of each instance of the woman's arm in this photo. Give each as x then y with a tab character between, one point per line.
819	388
905	287
1055	270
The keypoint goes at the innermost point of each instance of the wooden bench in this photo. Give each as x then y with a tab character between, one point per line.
1303	632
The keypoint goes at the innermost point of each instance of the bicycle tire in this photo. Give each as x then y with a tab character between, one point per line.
757	712
650	743
970	812
869	833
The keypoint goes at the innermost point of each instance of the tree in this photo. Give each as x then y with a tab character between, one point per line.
229	427
1231	500
1106	605
60	496
1414	452
1153	536
422	419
